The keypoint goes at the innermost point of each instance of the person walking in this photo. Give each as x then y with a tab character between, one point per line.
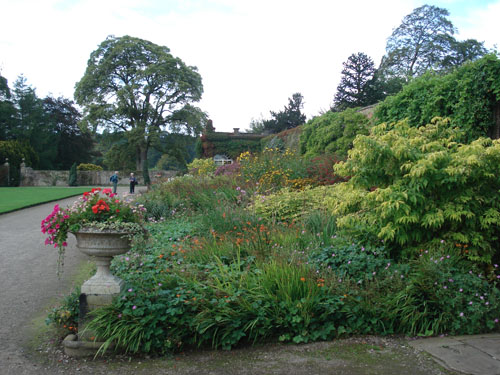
133	182
114	180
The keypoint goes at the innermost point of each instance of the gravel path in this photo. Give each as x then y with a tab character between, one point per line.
28	281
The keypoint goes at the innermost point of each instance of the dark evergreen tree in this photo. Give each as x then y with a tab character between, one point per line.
72	176
8	112
74	145
356	88
289	118
33	125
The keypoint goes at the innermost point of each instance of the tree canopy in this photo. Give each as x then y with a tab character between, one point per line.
138	87
424	41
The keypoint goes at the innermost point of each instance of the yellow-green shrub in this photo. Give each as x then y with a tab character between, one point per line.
89	167
202	167
289	204
414	186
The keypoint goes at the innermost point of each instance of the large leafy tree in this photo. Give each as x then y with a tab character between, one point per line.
138	87
356	84
289	118
424	41
420	43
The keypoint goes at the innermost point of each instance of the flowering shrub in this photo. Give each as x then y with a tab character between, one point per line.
98	209
227	169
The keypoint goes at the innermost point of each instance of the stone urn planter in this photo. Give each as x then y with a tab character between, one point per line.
100	289
103	246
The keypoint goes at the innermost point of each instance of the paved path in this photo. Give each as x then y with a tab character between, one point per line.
476	354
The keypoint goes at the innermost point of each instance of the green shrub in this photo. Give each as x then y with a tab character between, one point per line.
332	132
444	294
468	96
88	167
66	315
348	259
418	185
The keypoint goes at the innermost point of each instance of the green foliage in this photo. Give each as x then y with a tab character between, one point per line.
468	96
15	151
72	180
66	315
332	133
444	294
88	167
417	185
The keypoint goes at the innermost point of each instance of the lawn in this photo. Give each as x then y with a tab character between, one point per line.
14	198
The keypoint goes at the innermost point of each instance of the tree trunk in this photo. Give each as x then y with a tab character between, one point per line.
141	156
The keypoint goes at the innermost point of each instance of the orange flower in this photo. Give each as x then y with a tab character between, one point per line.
160	256
302	279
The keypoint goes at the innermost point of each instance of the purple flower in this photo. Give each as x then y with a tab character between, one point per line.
130	289
134	307
461	314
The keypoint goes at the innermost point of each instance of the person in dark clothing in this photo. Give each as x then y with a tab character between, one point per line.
133	182
114	180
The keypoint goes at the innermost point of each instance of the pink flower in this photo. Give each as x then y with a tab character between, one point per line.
134	307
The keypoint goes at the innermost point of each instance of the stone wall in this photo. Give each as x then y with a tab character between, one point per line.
31	177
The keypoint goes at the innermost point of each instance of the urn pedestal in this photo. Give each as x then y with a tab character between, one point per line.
100	289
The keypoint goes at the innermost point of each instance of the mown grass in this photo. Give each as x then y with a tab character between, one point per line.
15	198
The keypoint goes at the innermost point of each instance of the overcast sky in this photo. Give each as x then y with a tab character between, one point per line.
252	55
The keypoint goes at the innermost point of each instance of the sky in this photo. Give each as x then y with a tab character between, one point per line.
252	54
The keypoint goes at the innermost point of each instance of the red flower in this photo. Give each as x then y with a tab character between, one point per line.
101	206
107	191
